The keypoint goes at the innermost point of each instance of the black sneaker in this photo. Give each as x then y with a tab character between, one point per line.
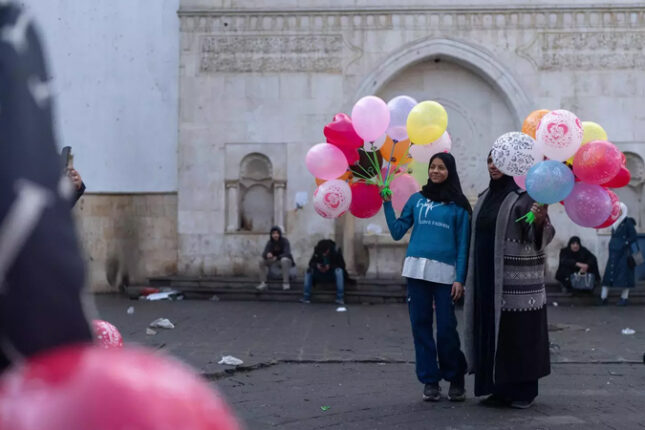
432	392
603	302
457	392
494	401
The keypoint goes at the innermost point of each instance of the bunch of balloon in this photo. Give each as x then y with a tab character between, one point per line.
599	165
579	168
366	156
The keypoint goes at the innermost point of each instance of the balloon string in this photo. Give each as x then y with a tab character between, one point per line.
373	159
386	192
387	174
367	175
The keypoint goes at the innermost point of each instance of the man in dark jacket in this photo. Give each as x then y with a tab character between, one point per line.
41	270
326	265
276	251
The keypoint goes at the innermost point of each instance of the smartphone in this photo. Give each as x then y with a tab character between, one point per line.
67	159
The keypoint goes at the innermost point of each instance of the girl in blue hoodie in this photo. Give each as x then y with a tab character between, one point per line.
435	268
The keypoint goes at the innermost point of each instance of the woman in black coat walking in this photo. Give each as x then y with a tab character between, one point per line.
619	272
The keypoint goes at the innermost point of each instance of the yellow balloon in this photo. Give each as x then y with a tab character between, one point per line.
591	131
419	171
427	121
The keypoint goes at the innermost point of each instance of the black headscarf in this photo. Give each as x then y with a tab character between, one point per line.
498	189
569	258
450	189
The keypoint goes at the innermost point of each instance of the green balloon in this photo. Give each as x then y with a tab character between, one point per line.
419	171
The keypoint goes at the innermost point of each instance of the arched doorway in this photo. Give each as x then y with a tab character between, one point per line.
477	113
482	99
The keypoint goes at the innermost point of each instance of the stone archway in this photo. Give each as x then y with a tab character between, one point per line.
468	55
482	98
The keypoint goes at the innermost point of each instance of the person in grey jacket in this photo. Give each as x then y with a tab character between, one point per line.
276	251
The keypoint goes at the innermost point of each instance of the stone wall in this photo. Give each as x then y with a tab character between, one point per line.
254	76
127	235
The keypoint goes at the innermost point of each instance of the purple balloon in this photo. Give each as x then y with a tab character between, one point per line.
399	108
588	205
326	161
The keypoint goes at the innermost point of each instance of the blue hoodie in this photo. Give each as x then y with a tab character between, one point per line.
441	231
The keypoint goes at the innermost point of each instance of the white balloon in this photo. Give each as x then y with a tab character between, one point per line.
376	145
514	153
332	198
423	153
559	134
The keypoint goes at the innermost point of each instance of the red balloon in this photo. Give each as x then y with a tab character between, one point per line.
366	200
597	162
615	210
341	132
620	180
85	387
623	159
107	336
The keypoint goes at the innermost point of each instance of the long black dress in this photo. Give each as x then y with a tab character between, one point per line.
501	371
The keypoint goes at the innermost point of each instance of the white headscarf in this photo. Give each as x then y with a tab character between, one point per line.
623	215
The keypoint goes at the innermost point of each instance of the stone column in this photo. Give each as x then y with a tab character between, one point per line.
348	242
232	209
278	203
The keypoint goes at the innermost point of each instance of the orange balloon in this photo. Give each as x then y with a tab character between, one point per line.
347	176
400	150
532	121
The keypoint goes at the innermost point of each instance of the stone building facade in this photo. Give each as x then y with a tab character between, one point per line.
250	84
259	80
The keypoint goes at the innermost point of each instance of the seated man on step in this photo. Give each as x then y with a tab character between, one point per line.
326	265
276	251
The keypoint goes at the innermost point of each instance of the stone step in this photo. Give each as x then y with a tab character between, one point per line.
369	291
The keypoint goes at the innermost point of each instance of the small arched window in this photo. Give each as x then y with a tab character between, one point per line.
256	193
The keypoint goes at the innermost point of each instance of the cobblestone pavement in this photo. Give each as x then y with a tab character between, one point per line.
299	358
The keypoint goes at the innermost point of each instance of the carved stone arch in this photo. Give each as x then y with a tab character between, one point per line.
466	54
636	166
256	169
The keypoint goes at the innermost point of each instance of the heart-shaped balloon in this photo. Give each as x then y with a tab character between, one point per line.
341	132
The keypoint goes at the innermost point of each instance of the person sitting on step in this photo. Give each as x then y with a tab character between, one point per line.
276	251
326	265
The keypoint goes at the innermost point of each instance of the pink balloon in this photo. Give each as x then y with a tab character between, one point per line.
597	162
520	181
332	198
403	187
326	161
391	171
423	153
107	336
588	205
85	387
559	134
370	117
